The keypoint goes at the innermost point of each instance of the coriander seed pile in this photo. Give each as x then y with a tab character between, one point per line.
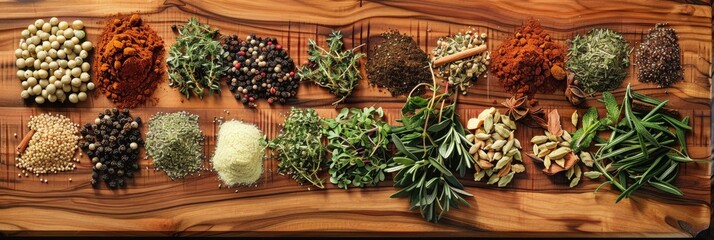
52	146
112	143
174	143
52	61
260	68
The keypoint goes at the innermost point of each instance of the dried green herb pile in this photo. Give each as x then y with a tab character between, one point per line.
398	64
333	68
112	142
462	72
599	60
432	146
174	142
642	147
196	60
658	57
299	147
358	142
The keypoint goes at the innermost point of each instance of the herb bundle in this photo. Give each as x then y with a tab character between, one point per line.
196	60
599	60
334	69
299	147
358	140
641	147
431	145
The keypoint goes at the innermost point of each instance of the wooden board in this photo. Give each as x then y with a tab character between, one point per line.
533	205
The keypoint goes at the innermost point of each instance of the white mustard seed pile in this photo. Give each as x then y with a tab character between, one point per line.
52	147
52	62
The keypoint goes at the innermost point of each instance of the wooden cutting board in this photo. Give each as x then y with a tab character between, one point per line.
533	205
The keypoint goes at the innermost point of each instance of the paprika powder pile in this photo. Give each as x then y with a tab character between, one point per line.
130	61
529	62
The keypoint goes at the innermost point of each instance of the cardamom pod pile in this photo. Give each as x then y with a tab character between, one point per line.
494	142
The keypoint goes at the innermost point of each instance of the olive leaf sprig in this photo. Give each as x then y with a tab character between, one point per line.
358	140
431	146
334	69
195	61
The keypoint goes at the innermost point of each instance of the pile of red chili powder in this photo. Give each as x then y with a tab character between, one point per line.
130	61
529	62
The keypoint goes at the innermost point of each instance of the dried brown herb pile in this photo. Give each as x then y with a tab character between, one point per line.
398	64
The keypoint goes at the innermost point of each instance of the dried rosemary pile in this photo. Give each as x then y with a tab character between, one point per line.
599	60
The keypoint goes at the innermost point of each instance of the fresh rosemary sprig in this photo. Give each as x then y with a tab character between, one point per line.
334	69
358	139
299	147
196	60
431	146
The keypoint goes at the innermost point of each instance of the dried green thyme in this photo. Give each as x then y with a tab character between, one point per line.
299	147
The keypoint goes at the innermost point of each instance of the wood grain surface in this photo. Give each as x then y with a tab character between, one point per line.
533	205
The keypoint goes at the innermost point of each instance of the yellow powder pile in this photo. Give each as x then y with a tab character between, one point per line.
239	153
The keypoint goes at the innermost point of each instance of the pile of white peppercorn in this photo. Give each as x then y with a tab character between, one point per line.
52	146
52	62
112	143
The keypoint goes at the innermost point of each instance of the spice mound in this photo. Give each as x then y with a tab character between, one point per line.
599	60
529	62
462	72
239	153
130	61
174	143
398	64
112	143
495	148
52	62
196	60
260	68
51	147
658	57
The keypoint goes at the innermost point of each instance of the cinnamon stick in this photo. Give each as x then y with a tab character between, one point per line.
25	141
460	55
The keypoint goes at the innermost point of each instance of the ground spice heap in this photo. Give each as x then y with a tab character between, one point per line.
658	57
529	62
130	62
599	60
174	143
260	68
398	64
112	143
239	153
51	61
50	145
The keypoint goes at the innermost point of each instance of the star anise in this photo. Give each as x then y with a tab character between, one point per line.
517	108
573	93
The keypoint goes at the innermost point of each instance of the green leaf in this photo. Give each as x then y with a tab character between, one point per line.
666	187
613	109
398	144
403	161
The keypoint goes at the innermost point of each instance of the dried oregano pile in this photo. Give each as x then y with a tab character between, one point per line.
112	142
174	142
333	68
299	147
599	59
358	139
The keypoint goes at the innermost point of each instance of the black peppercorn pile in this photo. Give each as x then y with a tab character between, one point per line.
112	143
658	57
260	68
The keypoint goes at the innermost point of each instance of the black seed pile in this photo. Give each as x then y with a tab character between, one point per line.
260	68
658	57
112	143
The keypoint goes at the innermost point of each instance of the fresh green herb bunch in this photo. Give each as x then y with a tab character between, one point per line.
358	140
299	147
334	69
431	145
599	60
196	60
174	143
641	147
462	72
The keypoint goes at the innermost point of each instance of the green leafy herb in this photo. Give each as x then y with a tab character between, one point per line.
299	147
599	60
431	145
358	140
334	69
196	60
